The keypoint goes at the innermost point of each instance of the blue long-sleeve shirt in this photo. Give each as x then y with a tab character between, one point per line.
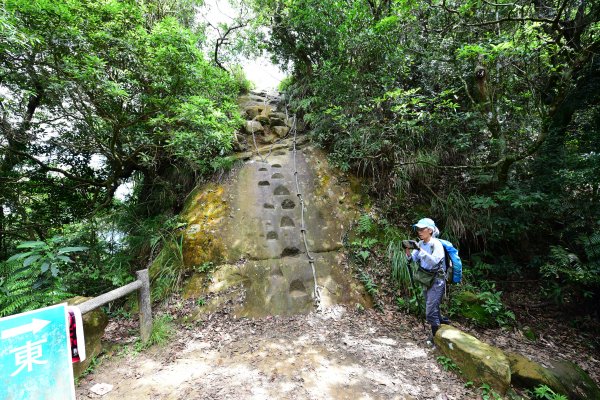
430	255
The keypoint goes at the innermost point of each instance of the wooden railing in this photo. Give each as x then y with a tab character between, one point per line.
142	284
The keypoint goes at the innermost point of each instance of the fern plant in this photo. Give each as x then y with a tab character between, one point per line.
18	292
30	279
591	246
365	224
367	281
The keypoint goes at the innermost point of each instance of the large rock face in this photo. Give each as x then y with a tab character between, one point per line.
478	361
250	227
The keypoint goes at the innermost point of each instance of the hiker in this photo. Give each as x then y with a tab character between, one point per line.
430	257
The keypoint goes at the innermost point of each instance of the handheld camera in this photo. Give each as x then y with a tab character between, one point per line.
410	244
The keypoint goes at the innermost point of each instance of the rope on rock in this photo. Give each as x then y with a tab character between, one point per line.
311	259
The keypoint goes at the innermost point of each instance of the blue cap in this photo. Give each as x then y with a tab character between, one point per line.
425	223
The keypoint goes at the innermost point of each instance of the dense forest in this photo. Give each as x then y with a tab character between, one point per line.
483	115
94	95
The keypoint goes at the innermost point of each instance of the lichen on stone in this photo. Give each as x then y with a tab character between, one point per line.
203	213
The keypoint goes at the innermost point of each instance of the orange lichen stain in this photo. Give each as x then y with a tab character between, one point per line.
203	212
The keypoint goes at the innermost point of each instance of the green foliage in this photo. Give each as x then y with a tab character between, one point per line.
481	307
17	292
485	117
362	246
95	362
32	279
399	265
488	393
239	76
205	267
447	364
162	331
568	278
285	84
412	303
365	224
168	271
47	255
368	283
543	392
97	94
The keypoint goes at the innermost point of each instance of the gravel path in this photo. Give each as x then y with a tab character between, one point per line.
336	354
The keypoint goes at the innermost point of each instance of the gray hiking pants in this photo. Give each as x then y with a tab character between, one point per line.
433	299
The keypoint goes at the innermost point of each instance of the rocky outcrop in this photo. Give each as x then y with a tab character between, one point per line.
478	361
94	324
263	121
482	363
561	376
250	228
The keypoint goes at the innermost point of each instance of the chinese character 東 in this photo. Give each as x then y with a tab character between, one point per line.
26	356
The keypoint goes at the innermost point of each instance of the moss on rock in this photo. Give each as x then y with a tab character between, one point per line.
471	307
204	212
562	377
479	362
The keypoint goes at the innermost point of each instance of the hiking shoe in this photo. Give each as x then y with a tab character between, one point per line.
430	343
445	320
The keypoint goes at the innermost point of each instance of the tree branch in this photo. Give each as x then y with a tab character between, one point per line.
46	167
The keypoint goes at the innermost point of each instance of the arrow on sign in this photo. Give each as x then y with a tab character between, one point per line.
35	326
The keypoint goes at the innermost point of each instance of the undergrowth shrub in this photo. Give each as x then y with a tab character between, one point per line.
239	76
568	278
18	290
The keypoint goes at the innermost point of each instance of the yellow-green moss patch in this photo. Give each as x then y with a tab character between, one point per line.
203	212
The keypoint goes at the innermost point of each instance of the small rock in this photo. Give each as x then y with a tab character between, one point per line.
280	131
101	388
263	119
277	122
253	126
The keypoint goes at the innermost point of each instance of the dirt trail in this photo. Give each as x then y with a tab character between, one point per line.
336	354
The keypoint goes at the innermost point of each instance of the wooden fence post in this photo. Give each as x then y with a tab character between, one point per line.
145	305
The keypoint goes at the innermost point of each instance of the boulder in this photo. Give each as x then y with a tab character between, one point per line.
263	119
249	231
562	377
277	121
300	125
278	115
253	111
267	138
239	143
253	126
290	122
94	324
280	131
479	362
